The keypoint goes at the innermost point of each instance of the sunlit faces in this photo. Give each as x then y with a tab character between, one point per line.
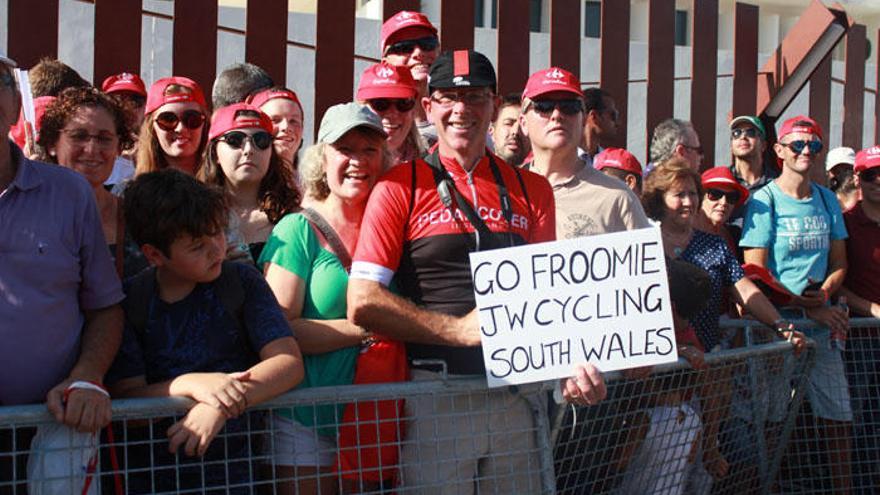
244	155
192	259
287	123
507	136
181	141
397	118
680	202
795	158
421	57
554	121
353	164
461	116
869	182
718	204
746	141
88	144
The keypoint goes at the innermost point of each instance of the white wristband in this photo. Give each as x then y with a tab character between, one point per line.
87	385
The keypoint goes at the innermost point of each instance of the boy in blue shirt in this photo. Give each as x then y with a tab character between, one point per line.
201	328
795	229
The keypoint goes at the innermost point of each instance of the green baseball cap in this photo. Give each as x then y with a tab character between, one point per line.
344	117
752	120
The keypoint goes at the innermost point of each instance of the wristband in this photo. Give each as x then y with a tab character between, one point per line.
781	326
82	384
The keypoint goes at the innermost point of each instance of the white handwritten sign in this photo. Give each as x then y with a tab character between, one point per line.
546	307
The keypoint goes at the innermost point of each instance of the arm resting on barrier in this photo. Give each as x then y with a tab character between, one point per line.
372	306
89	410
313	336
859	304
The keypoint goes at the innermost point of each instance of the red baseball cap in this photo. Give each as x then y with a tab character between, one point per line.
17	132
801	123
236	116
867	158
157	97
125	81
617	158
722	178
404	19
259	99
386	81
769	285
552	79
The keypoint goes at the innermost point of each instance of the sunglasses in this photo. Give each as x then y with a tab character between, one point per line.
749	132
406	47
869	175
717	194
566	107
236	139
383	104
191	119
797	147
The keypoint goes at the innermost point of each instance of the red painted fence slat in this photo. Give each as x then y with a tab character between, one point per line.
704	66
820	94
391	7
266	39
877	93
117	38
456	24
854	89
32	30
195	41
614	63
334	56
661	65
513	45
745	59
565	35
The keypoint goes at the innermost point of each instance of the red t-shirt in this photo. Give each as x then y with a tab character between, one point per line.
862	254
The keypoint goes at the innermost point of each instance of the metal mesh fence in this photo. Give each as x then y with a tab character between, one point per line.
752	421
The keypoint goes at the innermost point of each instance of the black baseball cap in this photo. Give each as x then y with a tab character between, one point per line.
461	69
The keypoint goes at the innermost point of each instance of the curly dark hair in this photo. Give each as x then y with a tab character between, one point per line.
161	206
60	111
661	179
278	193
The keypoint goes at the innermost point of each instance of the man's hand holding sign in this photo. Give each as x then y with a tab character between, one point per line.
547	309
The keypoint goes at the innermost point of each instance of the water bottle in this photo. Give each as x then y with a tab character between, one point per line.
838	341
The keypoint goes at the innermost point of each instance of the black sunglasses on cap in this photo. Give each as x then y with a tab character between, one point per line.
383	104
191	119
236	139
406	47
869	175
567	107
717	194
797	147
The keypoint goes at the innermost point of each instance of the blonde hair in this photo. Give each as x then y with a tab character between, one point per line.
150	157
313	177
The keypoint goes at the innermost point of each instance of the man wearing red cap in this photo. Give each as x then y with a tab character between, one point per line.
408	39
795	229
459	199
619	163
588	202
128	89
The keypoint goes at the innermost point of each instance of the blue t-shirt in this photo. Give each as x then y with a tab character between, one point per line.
710	252
797	233
196	334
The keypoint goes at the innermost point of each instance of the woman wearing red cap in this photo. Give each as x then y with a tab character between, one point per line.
241	160
722	194
286	112
174	133
390	92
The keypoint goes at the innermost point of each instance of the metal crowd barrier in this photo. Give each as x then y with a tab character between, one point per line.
736	427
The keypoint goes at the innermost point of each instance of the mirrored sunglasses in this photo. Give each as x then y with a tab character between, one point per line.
717	194
236	139
406	47
566	107
191	119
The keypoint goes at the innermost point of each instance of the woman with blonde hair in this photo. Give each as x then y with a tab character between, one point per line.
391	93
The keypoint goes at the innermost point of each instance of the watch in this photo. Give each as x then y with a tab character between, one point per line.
782	325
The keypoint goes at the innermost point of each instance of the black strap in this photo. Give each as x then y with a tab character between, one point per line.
327	231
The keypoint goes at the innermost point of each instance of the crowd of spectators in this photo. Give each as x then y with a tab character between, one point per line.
151	247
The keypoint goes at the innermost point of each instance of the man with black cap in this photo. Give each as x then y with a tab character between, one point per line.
460	198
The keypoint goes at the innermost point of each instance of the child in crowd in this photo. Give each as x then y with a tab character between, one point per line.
201	328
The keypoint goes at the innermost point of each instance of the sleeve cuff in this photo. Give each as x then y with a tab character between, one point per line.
365	270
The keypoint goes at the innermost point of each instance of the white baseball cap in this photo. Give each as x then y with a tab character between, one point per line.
839	155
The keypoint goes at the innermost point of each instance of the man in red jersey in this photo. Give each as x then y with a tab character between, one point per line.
421	222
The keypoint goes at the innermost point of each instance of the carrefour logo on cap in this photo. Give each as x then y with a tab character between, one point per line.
460	81
555	74
125	76
385	72
873	150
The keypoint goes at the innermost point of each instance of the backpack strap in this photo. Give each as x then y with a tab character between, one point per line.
452	198
330	235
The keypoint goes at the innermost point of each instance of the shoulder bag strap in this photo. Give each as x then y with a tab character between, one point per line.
329	234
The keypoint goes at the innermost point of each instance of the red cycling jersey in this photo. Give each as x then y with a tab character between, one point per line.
408	234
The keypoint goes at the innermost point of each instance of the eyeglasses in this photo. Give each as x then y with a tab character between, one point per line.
717	194
80	138
869	175
383	104
749	132
697	149
406	47
566	107
469	98
7	79
797	147
236	139
191	119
